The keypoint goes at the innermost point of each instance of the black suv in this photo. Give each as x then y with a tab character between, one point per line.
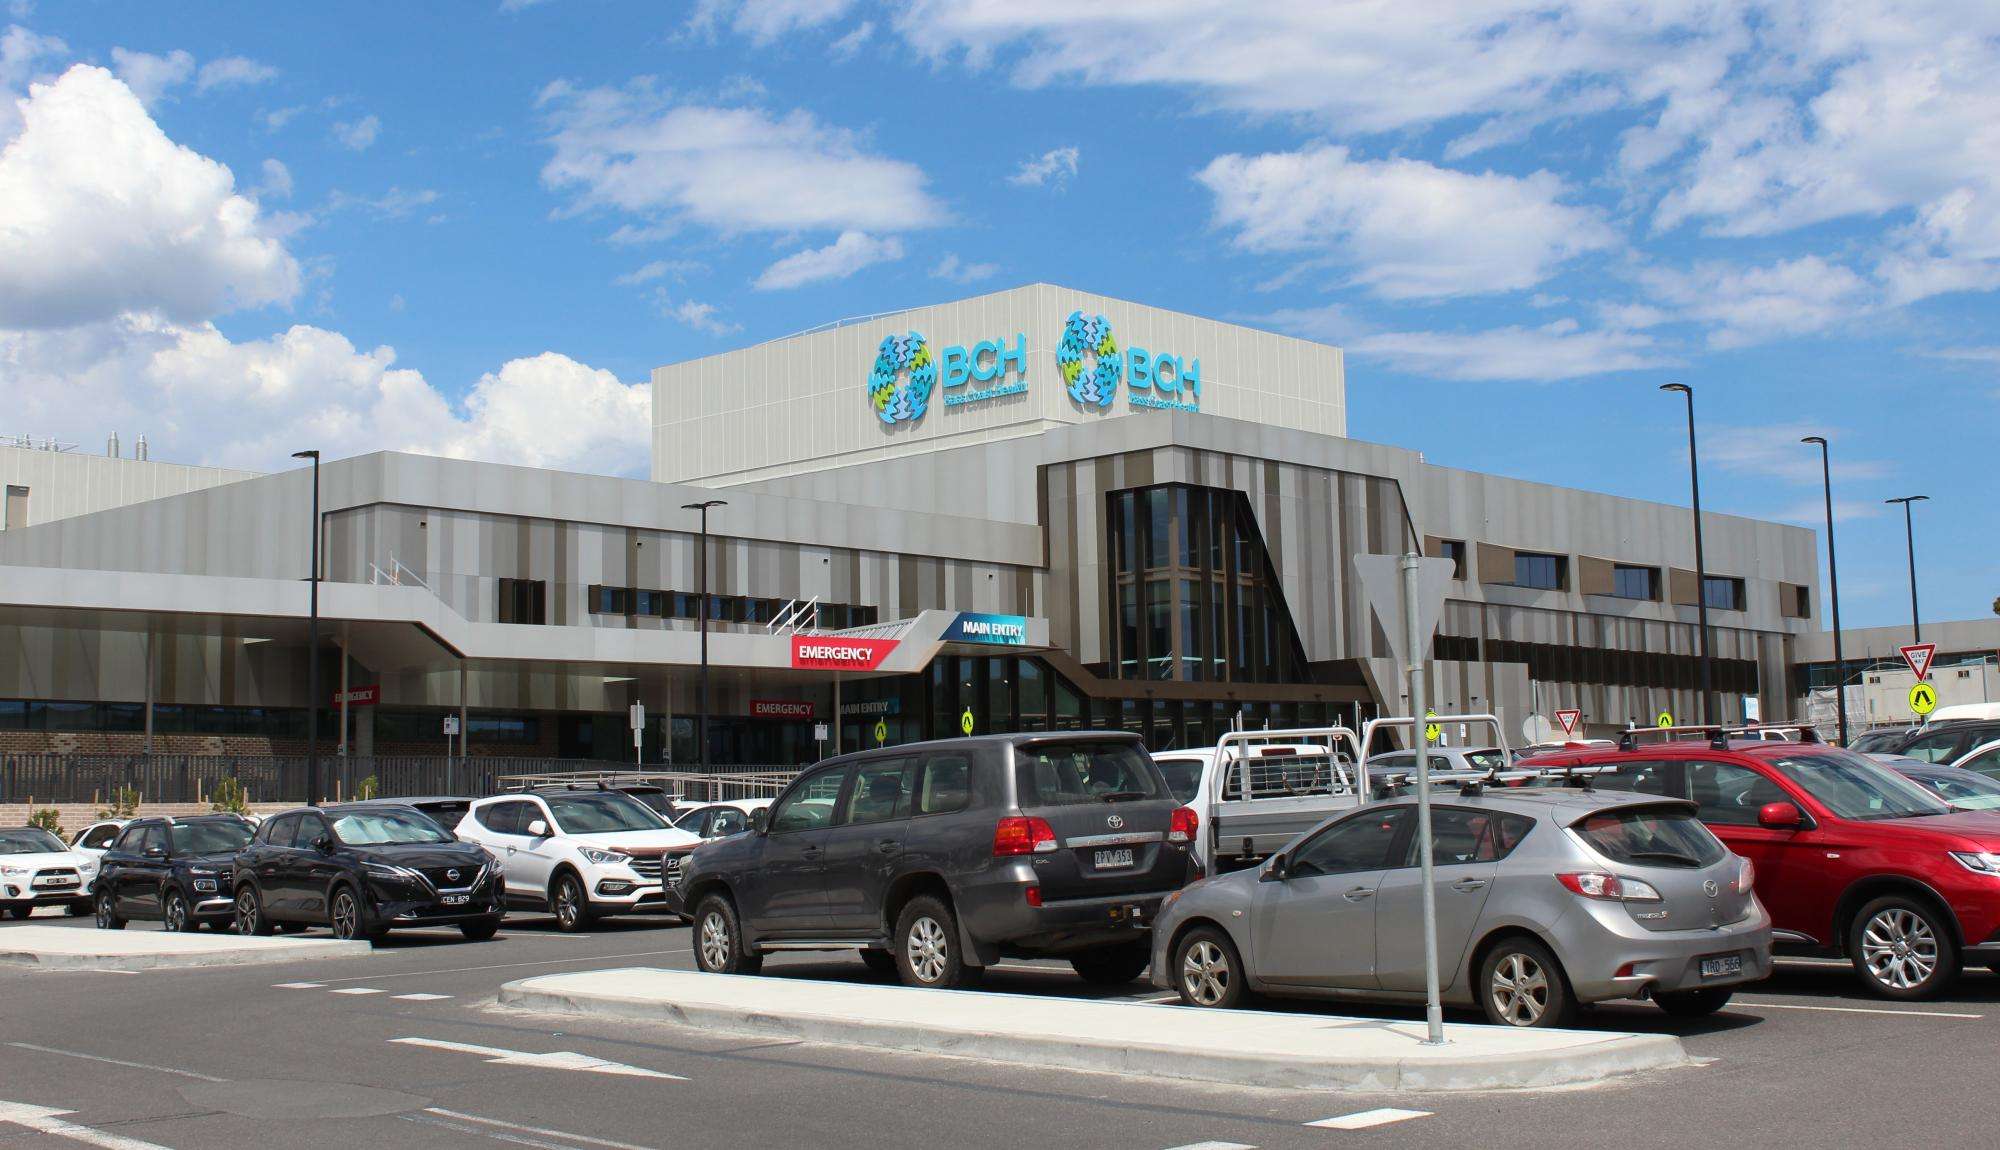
934	860
1945	742
175	870
363	869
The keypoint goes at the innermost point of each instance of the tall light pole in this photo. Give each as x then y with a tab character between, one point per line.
701	692
1910	539
1700	562
312	646
1833	583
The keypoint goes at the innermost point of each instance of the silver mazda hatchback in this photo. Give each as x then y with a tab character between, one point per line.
1546	899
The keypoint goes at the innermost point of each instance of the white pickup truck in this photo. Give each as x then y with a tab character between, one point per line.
1270	786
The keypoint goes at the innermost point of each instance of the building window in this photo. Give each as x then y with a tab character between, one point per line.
1722	593
15	513
1454	550
1629	582
610	600
1801	600
523	601
1542	572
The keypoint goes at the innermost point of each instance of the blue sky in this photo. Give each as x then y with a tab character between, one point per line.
474	228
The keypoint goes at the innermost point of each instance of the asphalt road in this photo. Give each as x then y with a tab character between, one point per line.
403	1048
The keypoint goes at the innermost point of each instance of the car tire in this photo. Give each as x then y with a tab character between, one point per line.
107	913
570	904
718	939
21	910
174	914
1694	1003
1113	965
250	918
348	918
479	931
78	909
1521	984
292	927
1208	972
1902	948
880	962
927	945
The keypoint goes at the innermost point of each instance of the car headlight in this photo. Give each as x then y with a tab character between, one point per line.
15	871
1978	862
388	871
604	857
85	867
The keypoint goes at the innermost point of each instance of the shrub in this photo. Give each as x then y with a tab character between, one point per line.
227	798
48	819
367	788
124	804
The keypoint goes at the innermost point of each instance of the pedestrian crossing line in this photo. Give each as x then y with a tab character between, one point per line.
1362	1120
420	997
355	990
297	985
1215	1146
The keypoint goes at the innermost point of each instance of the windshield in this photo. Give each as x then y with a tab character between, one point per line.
1966	790
219	837
598	812
385	828
1183	777
1490	759
29	841
653	797
1651	836
1854	788
1087	771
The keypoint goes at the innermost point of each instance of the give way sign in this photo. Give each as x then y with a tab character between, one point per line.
1567	720
1919	656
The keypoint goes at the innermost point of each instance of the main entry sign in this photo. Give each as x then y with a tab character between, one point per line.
818	653
974	627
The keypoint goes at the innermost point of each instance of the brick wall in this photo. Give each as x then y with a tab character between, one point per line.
76	816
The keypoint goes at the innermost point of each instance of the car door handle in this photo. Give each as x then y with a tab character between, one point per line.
1359	893
888	846
809	852
1469	884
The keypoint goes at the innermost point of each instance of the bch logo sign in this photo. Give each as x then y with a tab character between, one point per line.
1092	385
900	383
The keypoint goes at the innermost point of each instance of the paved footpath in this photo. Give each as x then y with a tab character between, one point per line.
404	1048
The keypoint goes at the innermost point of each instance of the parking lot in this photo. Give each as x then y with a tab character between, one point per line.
404	1047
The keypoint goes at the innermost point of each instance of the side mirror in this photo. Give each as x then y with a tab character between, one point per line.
1276	870
156	852
1780	817
323	844
538	829
760	820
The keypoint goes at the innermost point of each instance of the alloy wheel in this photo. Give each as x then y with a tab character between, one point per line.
104	913
567	910
247	911
346	917
927	949
1205	973
176	917
715	941
1520	990
1899	948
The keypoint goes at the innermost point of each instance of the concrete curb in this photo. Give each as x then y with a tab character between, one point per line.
288	951
1590	1058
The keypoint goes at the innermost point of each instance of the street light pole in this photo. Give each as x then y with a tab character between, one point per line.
1700	562
1832	579
701	691
1910	540
312	646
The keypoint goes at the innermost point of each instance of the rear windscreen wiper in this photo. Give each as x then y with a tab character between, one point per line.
1666	855
1121	796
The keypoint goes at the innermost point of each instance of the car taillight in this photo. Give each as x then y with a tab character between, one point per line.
1182	826
1746	876
1034	896
1609	887
1022	835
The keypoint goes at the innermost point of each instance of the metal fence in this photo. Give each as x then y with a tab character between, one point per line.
59	778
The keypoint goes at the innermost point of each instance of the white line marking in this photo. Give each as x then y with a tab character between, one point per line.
545	1132
1853	1009
115	1061
297	985
355	990
510	965
420	997
1364	1119
46	1120
553	1060
1216	1146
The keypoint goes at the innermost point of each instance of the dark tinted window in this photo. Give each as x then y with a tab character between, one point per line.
1941	747
946	785
311	827
1359	843
279	831
508	818
1183	777
593	812
809	804
1650	836
728	821
209	838
881	791
152	837
1063	774
98	838
1646	778
1461	836
130	837
1731	795
1540	571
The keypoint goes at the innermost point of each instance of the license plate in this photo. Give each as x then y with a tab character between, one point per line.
1112	860
456	899
58	880
1719	967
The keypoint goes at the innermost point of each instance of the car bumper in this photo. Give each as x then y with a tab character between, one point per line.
1607	958
21	892
393	908
632	894
998	914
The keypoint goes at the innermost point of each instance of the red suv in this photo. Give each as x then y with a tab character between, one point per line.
1852	859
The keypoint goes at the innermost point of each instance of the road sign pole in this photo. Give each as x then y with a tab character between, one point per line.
1433	1008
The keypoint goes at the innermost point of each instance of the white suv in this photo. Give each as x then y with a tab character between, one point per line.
579	852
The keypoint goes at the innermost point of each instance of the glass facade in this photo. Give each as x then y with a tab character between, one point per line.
1635	582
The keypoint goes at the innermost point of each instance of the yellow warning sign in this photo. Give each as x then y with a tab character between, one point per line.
1666	719
965	721
1431	730
881	731
1923	699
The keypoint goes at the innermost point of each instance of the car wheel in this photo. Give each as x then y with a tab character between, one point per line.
879	961
1902	948
479	931
174	914
1207	969
1521	984
927	944
107	913
344	915
1694	1003
250	918
21	910
77	909
718	939
571	904
292	927
1113	965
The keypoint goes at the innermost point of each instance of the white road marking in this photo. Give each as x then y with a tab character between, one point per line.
47	1120
115	1061
553	1060
477	1132
543	1131
355	990
420	997
1364	1119
1853	1009
1216	1146
297	985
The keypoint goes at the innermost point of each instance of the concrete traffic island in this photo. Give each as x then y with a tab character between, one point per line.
73	948
1241	1047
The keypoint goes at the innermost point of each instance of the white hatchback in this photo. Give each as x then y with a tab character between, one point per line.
579	852
37	869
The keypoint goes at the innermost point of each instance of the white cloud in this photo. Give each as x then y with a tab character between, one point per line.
277	182
1774	451
105	214
357	135
732	169
232	71
1053	168
21	52
764	21
1965	354
1553	351
1812	512
850	45
1745	305
150	76
838	260
397	203
657	269
702	317
277	118
1408	229
959	272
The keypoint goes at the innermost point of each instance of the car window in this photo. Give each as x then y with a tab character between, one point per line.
946	785
600	812
1489	759
809	805
508	818
155	836
1646	778
1855	788
691	821
29	841
387	827
1460	836
881	791
1651	836
1066	774
128	839
1183	777
1358	843
210	838
1729	794
728	821
1935	748
1986	762
311	827
1966	790
278	832
98	838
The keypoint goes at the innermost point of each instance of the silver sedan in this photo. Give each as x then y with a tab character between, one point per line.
1546	899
